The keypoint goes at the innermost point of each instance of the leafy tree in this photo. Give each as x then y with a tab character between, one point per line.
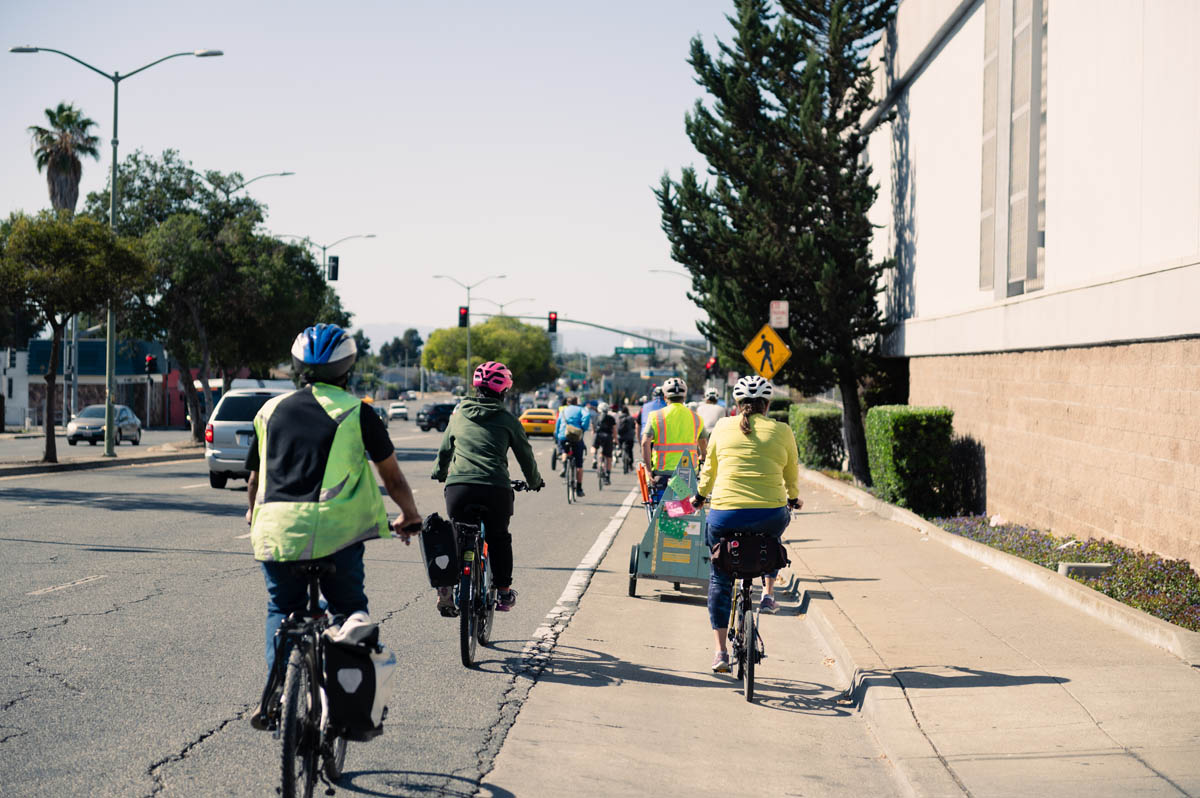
400	350
362	343
525	349
57	150
785	216
63	266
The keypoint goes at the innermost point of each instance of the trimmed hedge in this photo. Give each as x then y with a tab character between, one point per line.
818	431
909	454
778	409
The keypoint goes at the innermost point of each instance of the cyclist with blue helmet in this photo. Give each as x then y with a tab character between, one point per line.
312	494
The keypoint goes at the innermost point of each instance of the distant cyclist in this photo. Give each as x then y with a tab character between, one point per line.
473	462
709	411
626	433
602	442
656	403
573	422
311	492
751	476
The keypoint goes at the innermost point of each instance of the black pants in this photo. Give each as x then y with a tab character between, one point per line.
498	505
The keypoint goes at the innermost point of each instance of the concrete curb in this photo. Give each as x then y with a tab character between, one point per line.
1177	640
881	700
83	465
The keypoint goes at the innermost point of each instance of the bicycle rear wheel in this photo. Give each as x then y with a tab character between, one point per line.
600	476
299	723
570	479
335	757
749	635
468	617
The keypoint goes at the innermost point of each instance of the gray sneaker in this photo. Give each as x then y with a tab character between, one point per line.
720	662
768	605
445	602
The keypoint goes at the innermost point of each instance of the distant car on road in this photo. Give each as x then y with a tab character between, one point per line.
538	421
410	396
398	410
435	416
228	434
88	426
383	416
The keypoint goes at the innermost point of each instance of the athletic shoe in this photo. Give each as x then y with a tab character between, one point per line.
720	663
445	602
768	605
506	600
579	490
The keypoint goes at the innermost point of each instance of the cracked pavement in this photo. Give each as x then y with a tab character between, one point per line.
133	640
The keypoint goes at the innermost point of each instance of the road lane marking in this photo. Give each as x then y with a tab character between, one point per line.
83	581
197	485
242	537
539	647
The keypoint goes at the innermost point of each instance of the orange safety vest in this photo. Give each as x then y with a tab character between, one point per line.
674	436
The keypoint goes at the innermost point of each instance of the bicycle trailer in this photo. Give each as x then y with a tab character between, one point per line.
672	548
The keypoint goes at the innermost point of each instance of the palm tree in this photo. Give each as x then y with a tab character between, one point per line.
57	149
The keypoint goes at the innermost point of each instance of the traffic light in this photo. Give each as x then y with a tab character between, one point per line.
464	316
333	267
552	321
151	364
710	367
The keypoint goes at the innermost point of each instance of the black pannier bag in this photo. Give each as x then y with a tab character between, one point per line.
439	548
744	555
357	678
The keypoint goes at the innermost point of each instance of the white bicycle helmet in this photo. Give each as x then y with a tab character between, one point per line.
711	393
603	408
674	388
754	387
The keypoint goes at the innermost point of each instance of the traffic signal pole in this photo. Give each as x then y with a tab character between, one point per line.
676	344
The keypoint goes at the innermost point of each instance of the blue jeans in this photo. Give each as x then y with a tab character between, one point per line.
721	523
287	591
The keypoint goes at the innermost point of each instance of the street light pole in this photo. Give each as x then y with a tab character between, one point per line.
110	335
311	243
502	304
469	287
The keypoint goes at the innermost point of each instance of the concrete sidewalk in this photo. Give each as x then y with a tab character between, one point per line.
971	683
977	684
76	457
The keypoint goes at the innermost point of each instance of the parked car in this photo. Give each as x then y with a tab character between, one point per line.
229	432
410	396
88	426
538	421
435	416
398	410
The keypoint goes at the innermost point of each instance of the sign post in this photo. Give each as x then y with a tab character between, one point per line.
766	353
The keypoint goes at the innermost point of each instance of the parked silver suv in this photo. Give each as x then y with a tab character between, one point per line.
228	434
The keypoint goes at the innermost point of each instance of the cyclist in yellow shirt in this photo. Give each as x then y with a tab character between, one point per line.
752	476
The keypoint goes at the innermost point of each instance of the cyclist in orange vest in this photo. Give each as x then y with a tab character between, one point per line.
671	432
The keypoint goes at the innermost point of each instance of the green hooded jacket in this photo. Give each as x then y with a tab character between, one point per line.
475	446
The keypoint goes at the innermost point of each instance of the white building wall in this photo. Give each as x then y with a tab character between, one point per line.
1122	182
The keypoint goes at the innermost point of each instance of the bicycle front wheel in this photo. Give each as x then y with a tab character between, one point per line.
749	636
299	722
467	616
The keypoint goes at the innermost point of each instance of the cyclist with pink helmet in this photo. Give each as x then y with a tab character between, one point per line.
473	462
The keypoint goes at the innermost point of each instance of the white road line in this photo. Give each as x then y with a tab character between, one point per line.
83	581
538	649
197	485
242	537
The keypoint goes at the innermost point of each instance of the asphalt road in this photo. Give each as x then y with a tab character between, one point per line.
132	636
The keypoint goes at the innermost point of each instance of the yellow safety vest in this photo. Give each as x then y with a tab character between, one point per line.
674	430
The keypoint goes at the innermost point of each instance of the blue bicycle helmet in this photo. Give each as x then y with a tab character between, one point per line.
323	353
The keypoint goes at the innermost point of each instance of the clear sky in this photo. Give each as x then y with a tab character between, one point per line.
474	138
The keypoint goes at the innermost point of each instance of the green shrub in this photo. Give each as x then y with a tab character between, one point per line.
818	431
909	454
778	409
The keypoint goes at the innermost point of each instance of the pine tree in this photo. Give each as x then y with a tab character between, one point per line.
784	216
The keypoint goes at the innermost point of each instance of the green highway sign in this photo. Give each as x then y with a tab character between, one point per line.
634	350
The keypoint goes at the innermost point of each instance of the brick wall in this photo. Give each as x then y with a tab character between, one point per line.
1096	441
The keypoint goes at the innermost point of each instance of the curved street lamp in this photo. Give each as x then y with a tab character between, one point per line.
502	304
309	242
111	321
469	287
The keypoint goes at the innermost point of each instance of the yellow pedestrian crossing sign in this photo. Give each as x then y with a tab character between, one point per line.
767	352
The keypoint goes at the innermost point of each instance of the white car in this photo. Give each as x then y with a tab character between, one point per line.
398	410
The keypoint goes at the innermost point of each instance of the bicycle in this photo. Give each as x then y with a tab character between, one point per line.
745	641
475	596
299	714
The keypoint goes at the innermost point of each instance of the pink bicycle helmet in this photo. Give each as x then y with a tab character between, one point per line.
493	376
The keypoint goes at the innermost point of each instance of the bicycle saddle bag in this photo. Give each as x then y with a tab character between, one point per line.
357	678
439	548
747	556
